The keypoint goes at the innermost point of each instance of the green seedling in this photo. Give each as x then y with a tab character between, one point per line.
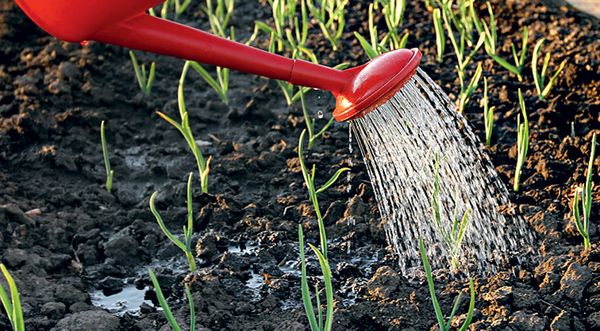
460	52
440	37
109	171
145	79
313	192
330	16
452	238
12	303
459	16
316	322
522	142
539	78
219	16
184	128
376	46
310	124
188	230
442	323
488	31
178	6
467	91
488	114
585	196
167	310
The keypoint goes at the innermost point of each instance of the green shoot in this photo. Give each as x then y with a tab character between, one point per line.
185	129
165	305
391	41
109	171
145	79
313	192
316	322
488	114
290	32
452	238
522	142
179	8
585	195
539	78
440	37
487	31
330	16
310	124
219	16
12	303
467	92
443	324
460	52
188	230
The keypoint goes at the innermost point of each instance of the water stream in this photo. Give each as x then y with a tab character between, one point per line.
399	142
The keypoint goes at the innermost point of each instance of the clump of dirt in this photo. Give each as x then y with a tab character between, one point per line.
65	239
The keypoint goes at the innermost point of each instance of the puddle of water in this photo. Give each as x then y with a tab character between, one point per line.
128	300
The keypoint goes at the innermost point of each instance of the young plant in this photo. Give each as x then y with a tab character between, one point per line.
522	142
109	171
452	238
167	310
376	46
442	322
178	6
219	16
488	114
188	230
488	31
12	303
585	195
440	36
539	78
310	124
145	79
184	128
316	322
313	192
330	16
466	92
460	52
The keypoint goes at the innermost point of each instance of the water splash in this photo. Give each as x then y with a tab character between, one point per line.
399	141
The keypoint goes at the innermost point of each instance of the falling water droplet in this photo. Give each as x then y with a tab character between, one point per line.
320	114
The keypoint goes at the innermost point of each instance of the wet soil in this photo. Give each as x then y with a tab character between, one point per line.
71	245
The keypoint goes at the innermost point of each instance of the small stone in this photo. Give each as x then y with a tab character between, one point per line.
68	70
530	322
123	249
54	310
69	294
575	280
383	283
525	298
97	320
500	296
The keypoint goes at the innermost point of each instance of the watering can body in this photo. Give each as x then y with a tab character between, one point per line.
126	23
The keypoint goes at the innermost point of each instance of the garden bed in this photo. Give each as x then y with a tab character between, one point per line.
68	242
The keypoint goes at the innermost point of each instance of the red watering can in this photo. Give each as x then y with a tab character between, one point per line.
125	23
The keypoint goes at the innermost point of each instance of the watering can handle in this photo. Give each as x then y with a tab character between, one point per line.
156	35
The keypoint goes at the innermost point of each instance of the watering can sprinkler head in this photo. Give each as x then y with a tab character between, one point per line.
125	23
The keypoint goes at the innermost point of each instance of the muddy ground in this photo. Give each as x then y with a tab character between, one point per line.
69	243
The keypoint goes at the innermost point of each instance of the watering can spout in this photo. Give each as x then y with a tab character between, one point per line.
126	23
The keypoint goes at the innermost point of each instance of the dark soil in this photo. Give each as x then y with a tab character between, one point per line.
63	236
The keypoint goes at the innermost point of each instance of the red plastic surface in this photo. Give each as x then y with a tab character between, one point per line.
125	23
